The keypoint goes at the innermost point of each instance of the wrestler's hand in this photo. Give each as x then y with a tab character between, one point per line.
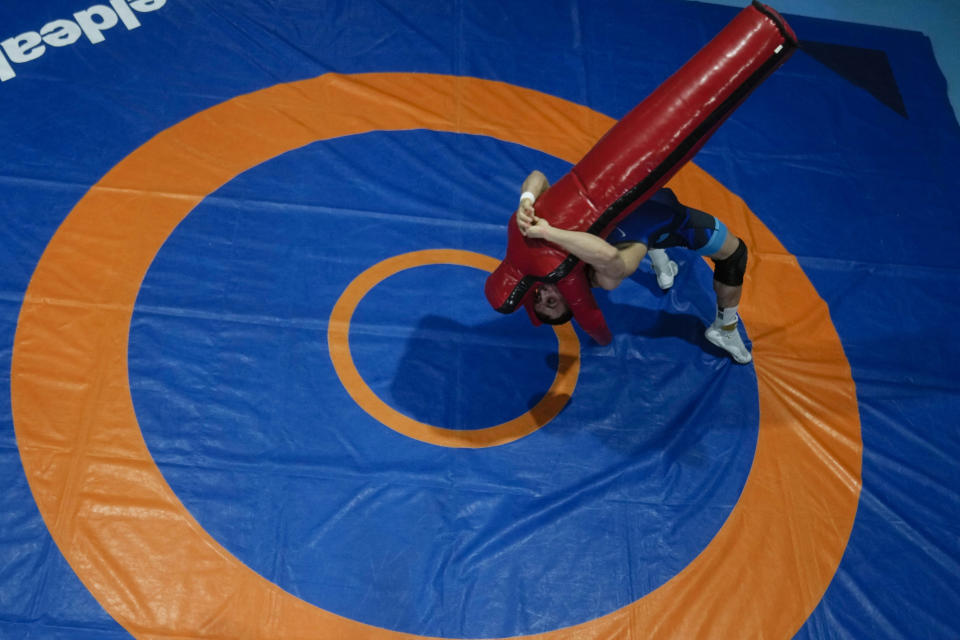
526	216
539	229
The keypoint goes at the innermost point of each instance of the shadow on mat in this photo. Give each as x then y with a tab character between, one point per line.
445	360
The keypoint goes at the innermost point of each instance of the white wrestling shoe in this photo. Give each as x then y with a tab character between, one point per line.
665	277
730	341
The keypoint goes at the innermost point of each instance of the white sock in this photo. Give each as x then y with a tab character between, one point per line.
727	317
659	259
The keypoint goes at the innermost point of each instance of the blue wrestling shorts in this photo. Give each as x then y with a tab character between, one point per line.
662	221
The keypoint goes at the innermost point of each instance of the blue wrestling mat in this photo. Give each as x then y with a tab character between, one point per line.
256	390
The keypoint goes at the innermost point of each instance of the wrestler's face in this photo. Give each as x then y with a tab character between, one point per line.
549	302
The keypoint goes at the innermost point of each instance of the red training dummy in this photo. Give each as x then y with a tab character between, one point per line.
635	158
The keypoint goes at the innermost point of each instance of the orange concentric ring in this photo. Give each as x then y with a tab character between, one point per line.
338	340
159	574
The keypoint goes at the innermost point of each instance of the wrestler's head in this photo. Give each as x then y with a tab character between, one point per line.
550	306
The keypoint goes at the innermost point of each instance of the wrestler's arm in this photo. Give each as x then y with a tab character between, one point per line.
534	185
610	264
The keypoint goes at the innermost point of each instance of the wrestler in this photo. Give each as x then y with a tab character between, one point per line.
660	222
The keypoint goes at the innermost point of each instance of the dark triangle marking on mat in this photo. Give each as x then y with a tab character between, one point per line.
868	69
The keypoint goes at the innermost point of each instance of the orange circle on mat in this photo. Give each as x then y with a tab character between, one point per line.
159	574
338	341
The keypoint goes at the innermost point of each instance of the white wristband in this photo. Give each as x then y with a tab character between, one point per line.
528	195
